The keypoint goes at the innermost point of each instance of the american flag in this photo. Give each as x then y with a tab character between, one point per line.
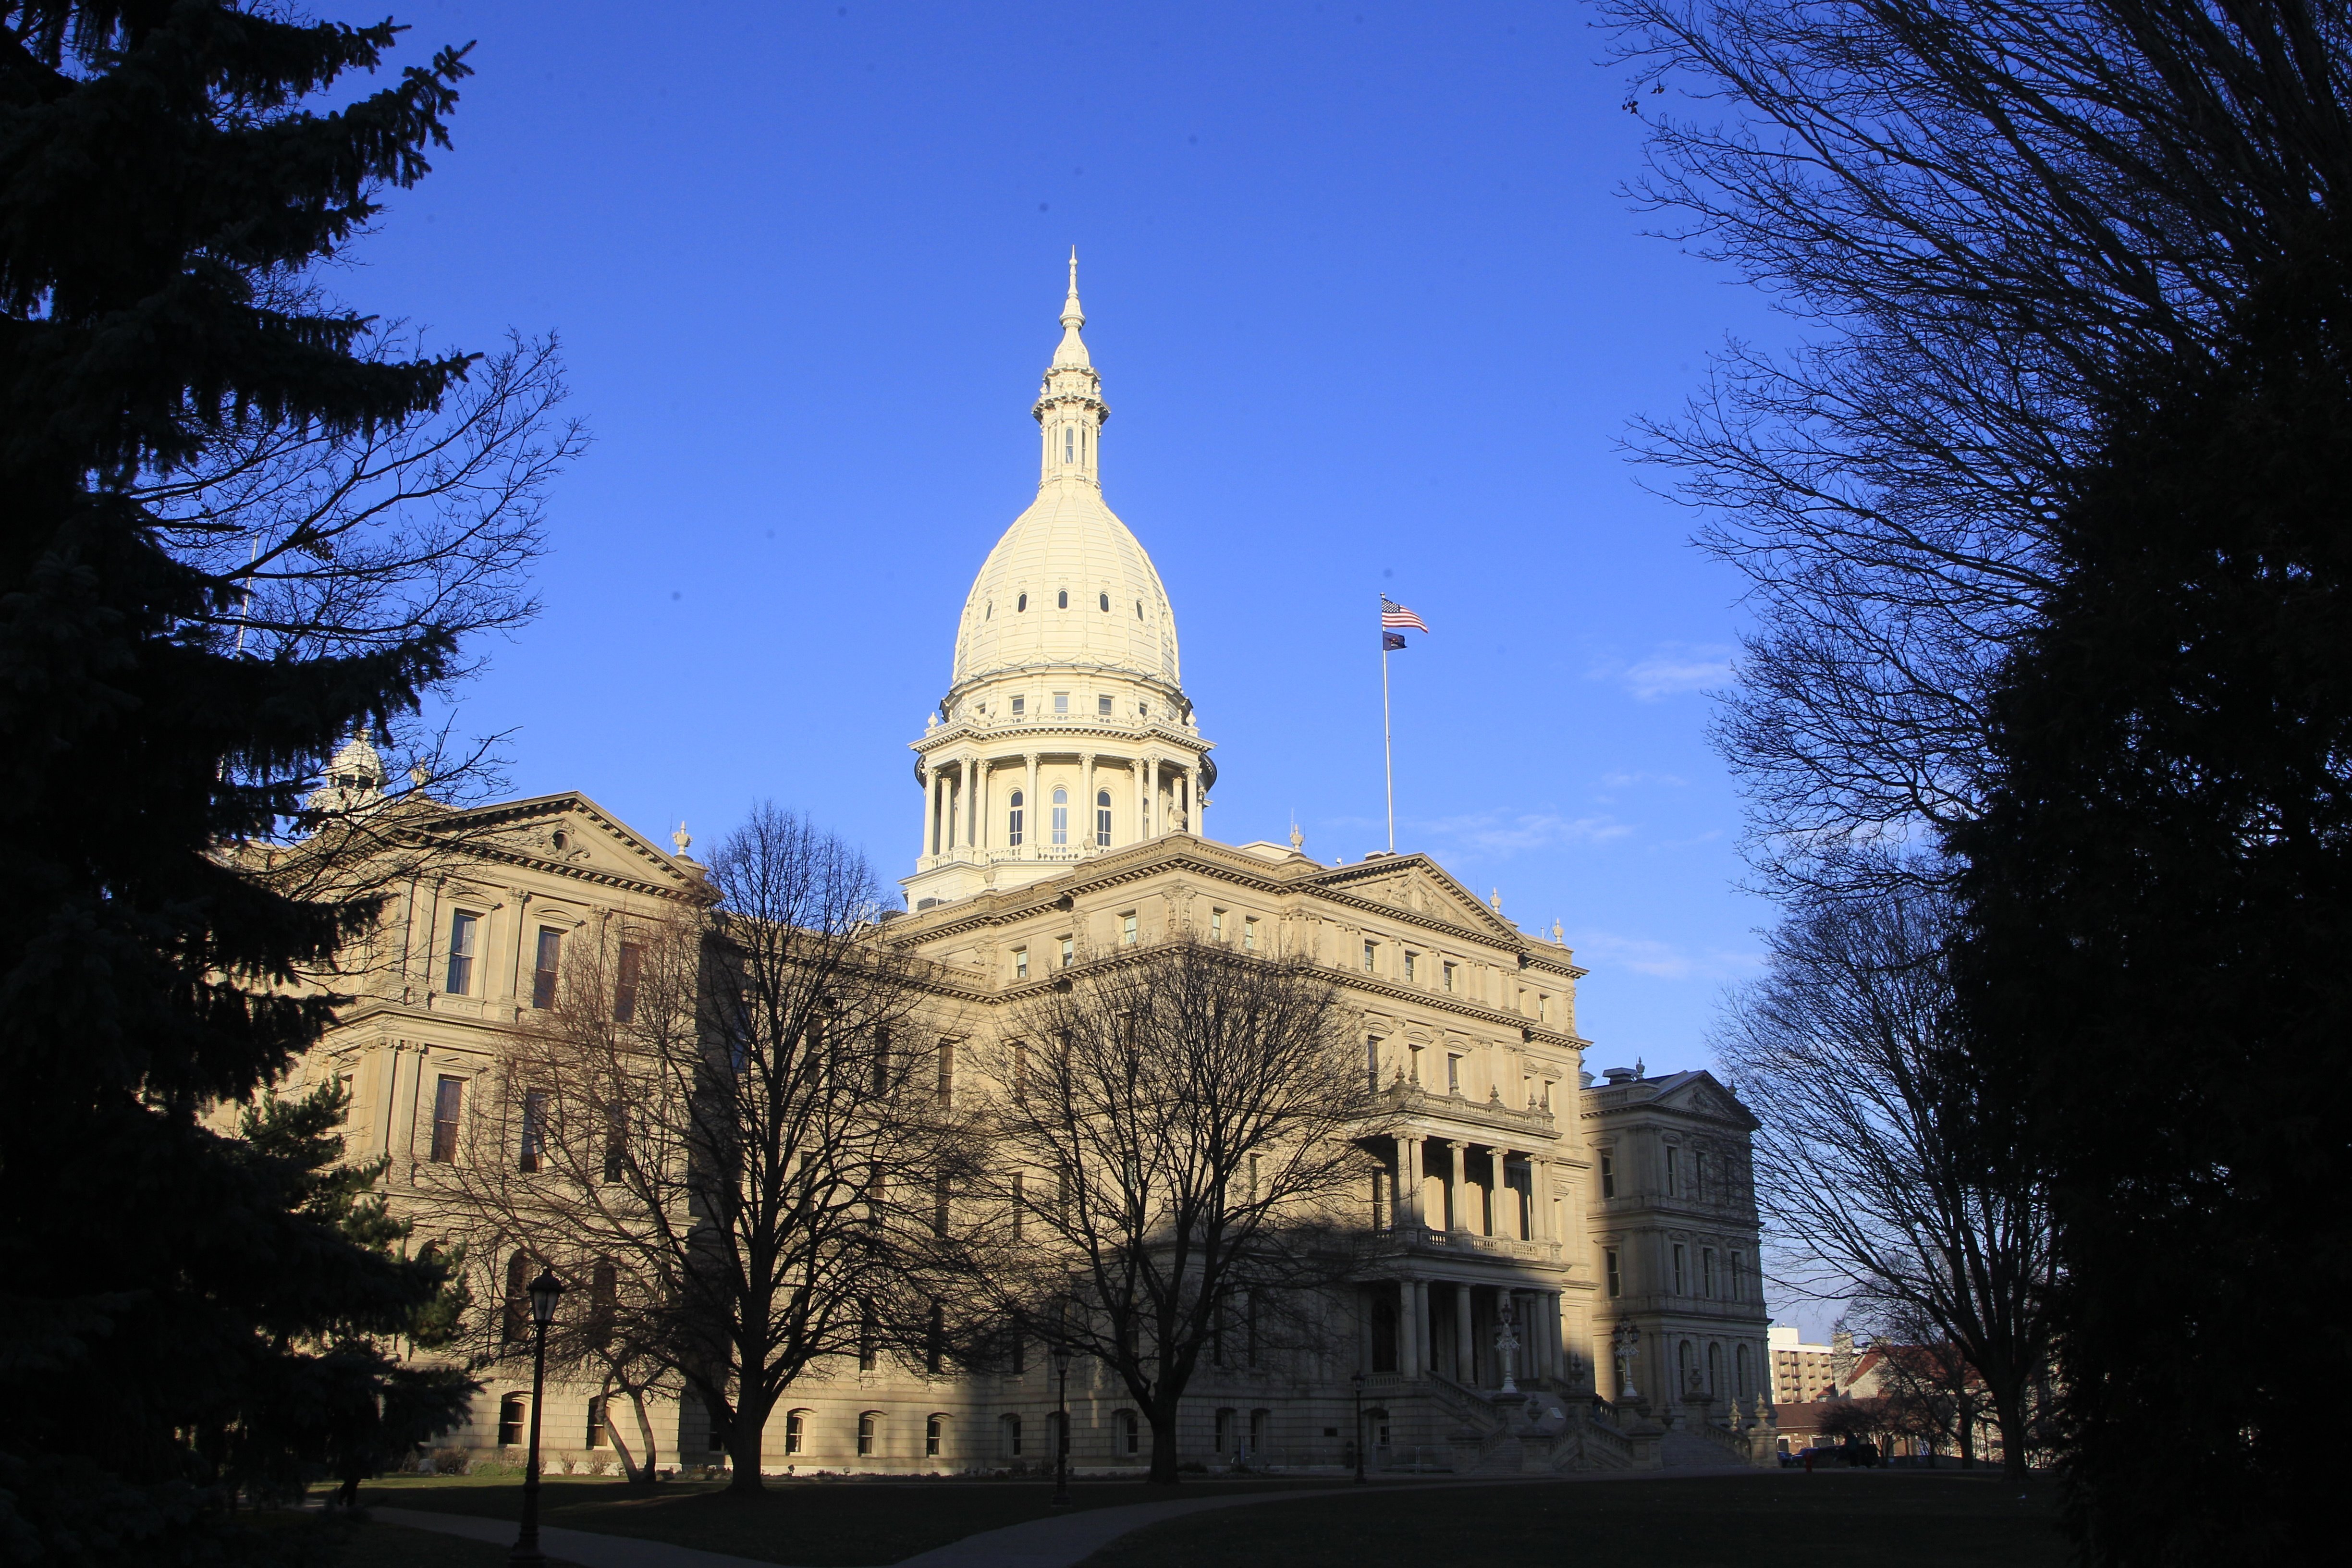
1395	615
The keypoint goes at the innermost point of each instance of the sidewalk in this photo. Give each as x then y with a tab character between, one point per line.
1063	1541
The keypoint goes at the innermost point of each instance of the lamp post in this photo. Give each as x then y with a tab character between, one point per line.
1628	1340
1356	1378
1062	1427
545	1292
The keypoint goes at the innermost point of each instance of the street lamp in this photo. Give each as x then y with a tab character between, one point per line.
1628	1340
1062	1427
1357	1379
545	1292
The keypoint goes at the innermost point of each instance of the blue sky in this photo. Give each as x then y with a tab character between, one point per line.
1370	312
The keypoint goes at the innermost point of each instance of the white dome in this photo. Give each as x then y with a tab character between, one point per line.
1067	585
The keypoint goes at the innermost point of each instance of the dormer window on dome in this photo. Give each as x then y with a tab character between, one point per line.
1021	604
1063	599
1106	603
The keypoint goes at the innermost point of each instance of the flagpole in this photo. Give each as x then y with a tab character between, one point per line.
1388	748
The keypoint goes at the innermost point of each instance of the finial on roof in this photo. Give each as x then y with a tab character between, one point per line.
681	837
1071	315
1640	1068
1495	899
1298	839
1559	936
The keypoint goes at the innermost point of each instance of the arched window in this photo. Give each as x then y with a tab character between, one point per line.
1126	1433
1102	818
796	1431
1062	599
988	611
1012	821
1069	445
1106	603
598	1435
1020	604
869	1432
1739	1363
1686	1367
514	1413
1139	609
1714	1371
1225	1432
1061	816
935	1433
1008	1432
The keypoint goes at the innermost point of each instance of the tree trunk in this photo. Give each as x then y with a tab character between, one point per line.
746	1435
649	1471
2009	1414
1163	1446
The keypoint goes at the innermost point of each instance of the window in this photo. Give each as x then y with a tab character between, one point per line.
1021	604
1216	925
1008	1434
514	1416
1249	933
1739	1281
616	1140
598	1437
1069	455
1020	1217
534	1131
934	1430
448	1105
1698	1176
462	928
1446	976
1616	1278
1453	1073
796	1431
947	1073
988	611
1127	929
1012	816
1061	824
1412	966
516	1309
1020	706
1143	709
869	1432
881	1085
869	1339
1102	707
1019	963
1069	951
1707	1272
1413	1072
1061	702
1102	818
1372	957
1608	1175
603	1300
1372	1064
1543	1007
1739	1363
543	972
1062	600
632	966
1679	1255
1224	1431
1259	1421
1674	1170
561	840
1106	604
1139	609
1126	1433
935	1332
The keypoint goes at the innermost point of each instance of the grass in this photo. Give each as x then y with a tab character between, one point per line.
378	1545
1837	1521
836	1523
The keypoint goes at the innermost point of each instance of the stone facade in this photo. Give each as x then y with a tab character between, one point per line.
1062	785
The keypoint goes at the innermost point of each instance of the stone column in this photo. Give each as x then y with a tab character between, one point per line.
1413	1326
932	798
1364	1357
1408	1161
1466	1345
1151	797
1553	1335
1458	1178
980	781
1539	1200
1086	788
1029	809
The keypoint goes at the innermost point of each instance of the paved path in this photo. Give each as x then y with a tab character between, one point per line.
1062	1541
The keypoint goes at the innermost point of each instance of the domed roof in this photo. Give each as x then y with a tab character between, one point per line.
1068	583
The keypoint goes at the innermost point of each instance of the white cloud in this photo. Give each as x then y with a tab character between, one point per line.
1508	832
1659	959
1638	780
1672	668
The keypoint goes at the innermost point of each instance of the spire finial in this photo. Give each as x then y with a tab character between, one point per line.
1072	316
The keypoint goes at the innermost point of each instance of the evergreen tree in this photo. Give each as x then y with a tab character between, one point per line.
2159	904
184	1314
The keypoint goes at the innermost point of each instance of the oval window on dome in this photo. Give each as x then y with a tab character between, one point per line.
988	613
1139	609
1106	603
1020	604
1064	600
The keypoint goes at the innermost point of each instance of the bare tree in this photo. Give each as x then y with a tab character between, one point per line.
1985	217
1174	1132
1877	1162
731	1129
1931	1390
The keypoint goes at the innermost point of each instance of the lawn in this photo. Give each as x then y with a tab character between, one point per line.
1838	1521
828	1523
378	1545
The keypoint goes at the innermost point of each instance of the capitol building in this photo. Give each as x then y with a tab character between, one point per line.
1061	804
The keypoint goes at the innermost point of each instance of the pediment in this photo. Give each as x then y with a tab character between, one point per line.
1418	884
1701	1095
571	834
